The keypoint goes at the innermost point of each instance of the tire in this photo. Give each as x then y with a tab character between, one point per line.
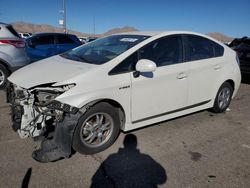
106	131
223	98
4	73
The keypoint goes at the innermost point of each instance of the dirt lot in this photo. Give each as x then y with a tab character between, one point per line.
198	150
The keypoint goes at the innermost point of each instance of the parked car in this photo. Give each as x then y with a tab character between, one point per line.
44	45
243	51
120	82
25	35
237	41
12	52
83	39
90	39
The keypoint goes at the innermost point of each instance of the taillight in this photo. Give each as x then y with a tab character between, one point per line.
16	43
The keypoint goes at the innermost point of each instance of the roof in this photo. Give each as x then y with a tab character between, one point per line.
164	33
1	23
155	33
51	33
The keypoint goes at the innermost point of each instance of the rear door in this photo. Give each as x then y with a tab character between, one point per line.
40	47
203	58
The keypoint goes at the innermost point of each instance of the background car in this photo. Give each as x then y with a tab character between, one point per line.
25	35
236	42
83	39
12	52
44	45
243	51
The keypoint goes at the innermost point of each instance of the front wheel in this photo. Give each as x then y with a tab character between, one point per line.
223	98
97	129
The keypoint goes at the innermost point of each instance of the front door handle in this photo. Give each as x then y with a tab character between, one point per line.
182	75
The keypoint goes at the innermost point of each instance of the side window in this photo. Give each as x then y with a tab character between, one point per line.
165	51
43	40
63	39
126	65
198	48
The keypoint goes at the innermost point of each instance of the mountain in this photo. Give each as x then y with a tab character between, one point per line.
220	37
120	30
34	28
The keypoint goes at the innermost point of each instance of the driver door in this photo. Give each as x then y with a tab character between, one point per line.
165	90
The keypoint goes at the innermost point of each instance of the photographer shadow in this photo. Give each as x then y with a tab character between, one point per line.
129	168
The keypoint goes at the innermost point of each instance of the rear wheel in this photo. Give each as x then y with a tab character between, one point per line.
97	129
3	76
223	98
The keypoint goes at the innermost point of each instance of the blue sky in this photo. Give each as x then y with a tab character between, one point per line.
230	17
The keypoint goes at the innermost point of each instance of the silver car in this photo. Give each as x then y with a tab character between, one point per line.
12	52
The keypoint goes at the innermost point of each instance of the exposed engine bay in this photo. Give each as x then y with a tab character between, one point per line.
35	111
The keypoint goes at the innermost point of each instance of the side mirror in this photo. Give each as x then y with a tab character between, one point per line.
145	65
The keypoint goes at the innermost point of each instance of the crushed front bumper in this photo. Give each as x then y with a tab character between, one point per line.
33	120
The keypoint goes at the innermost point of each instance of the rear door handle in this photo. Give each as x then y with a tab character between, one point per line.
217	67
182	75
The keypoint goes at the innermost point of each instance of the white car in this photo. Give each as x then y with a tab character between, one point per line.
25	35
120	82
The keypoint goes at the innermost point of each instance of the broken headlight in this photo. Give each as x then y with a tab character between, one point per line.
46	98
56	105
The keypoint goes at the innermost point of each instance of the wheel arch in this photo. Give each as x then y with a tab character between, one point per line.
6	65
115	104
231	82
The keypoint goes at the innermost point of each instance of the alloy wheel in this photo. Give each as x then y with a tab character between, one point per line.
96	129
2	77
224	97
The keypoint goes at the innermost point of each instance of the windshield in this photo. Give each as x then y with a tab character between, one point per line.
105	49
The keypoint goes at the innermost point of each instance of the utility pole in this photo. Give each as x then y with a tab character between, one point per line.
62	21
64	17
94	25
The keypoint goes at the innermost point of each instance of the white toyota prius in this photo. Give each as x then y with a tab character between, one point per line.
83	98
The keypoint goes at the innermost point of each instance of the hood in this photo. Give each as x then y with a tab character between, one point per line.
51	70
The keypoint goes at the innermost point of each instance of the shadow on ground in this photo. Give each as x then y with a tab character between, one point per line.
129	168
26	179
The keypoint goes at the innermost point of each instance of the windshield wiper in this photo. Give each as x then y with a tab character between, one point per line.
75	57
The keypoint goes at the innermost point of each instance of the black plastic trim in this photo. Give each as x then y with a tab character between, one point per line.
171	112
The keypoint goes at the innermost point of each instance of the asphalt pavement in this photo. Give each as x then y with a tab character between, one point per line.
198	150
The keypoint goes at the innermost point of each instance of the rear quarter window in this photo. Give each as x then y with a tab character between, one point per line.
43	40
13	31
198	48
63	39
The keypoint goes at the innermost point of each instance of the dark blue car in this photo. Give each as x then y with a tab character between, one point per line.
44	45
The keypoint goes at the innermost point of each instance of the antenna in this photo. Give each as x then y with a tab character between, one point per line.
64	17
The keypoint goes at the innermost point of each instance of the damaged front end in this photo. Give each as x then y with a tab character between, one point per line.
36	113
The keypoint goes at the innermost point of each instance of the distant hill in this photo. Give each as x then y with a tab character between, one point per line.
35	28
220	37
120	30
